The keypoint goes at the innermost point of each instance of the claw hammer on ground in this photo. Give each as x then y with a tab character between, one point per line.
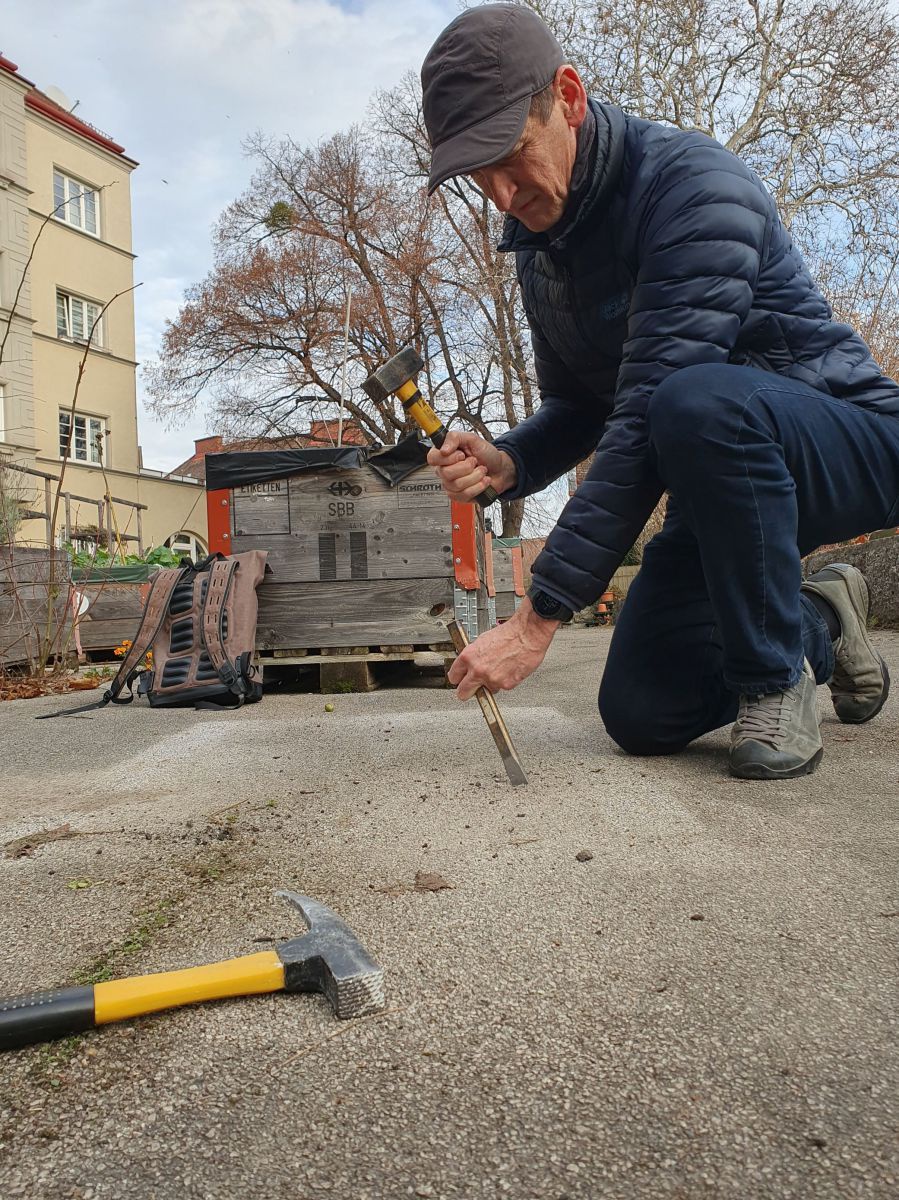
328	958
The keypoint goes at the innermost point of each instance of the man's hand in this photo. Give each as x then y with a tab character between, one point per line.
503	657
466	464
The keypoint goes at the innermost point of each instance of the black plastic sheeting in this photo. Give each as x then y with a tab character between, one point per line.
396	462
241	467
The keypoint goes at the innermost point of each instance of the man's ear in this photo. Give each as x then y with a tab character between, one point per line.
572	94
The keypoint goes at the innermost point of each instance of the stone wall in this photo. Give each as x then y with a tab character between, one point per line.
878	561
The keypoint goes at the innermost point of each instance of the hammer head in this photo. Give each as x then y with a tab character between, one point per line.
395	372
330	959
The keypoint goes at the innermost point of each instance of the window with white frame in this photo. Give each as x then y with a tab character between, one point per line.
76	317
87	436
76	203
186	543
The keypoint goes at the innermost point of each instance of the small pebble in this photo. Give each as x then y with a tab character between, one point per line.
583	856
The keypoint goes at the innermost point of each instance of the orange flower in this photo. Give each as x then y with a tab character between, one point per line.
122	651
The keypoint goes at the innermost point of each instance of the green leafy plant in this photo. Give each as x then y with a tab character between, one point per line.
158	556
99	556
98	673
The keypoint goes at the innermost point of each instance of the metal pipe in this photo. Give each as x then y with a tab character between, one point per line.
346	351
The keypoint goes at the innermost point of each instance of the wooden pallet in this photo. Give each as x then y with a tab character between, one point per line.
358	668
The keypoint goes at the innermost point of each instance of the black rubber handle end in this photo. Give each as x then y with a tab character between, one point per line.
487	497
42	1016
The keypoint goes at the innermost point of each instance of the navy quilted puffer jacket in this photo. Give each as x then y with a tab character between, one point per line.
670	253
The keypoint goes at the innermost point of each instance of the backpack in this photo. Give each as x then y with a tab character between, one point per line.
199	622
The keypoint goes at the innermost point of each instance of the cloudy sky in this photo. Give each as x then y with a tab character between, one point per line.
180	84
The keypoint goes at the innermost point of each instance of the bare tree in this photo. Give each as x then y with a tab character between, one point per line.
805	91
263	334
484	357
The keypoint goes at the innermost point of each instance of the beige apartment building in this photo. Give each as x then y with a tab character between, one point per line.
54	163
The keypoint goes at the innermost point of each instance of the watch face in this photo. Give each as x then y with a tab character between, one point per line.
545	605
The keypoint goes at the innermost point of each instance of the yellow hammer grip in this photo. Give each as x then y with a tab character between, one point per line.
123	998
419	410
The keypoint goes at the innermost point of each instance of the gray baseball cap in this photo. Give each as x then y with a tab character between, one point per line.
477	82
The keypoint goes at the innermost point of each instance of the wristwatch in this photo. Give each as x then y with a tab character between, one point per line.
547	606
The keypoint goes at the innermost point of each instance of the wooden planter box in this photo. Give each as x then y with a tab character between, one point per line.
357	564
25	596
622	580
115	598
508	575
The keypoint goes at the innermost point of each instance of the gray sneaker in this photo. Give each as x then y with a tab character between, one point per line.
861	682
776	736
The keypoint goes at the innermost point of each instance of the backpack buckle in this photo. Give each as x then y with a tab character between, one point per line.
233	679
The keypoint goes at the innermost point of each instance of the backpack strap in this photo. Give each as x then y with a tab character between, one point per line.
205	564
233	675
154	614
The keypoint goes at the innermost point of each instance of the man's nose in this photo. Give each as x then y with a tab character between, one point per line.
502	190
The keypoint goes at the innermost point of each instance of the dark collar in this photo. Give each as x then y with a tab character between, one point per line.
597	163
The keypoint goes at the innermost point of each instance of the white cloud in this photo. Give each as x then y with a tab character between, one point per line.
181	83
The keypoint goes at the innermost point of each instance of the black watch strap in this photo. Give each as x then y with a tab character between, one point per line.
548	607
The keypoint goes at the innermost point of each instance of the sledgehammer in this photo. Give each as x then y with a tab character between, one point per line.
328	958
397	378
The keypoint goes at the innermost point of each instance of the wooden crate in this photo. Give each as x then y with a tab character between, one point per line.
361	668
355	562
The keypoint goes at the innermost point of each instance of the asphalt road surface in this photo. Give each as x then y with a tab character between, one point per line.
645	978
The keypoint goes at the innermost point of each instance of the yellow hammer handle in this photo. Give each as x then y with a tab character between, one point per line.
419	409
122	998
425	417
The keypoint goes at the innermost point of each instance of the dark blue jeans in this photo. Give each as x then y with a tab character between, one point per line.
761	470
